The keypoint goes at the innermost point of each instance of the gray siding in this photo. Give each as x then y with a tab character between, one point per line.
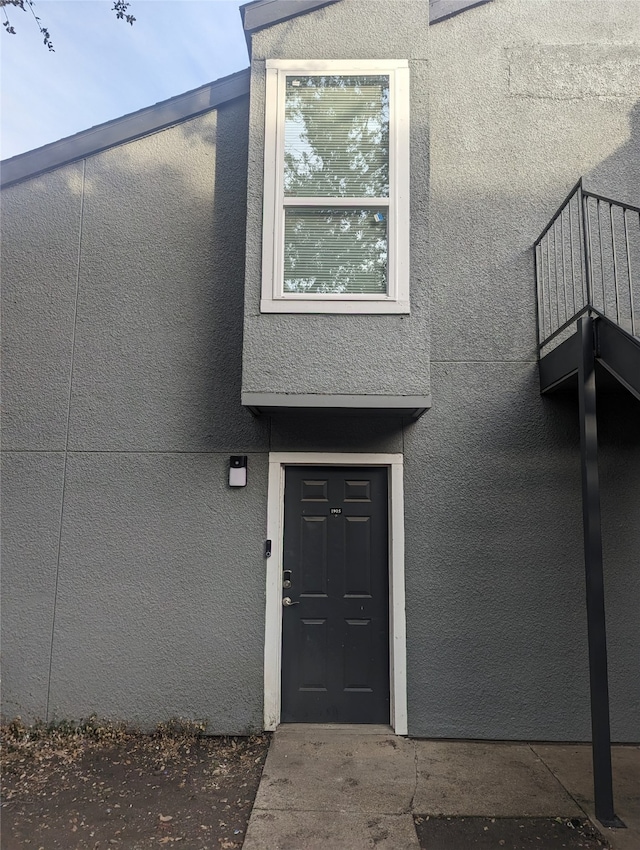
494	573
32	486
338	354
520	108
125	553
40	245
133	576
158	310
495	584
151	610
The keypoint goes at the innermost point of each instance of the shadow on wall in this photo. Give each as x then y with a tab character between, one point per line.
223	352
162	298
618	176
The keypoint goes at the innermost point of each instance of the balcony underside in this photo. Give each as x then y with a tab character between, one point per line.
617	353
411	407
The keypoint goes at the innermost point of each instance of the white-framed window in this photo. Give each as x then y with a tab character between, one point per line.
336	187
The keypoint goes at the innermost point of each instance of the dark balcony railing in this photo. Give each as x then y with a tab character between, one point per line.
588	261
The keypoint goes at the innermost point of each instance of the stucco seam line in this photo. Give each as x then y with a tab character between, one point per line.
474	362
564	788
32	451
230	450
66	447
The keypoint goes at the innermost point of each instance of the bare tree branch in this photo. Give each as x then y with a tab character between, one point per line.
120	7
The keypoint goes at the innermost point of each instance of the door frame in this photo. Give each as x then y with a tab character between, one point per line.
273	614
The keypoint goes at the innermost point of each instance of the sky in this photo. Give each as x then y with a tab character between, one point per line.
102	68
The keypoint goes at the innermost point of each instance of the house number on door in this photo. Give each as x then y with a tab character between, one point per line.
336	510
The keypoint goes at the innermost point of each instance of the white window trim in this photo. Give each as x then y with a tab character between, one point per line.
273	616
274	300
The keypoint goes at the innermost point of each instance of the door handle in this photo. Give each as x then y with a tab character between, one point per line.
288	601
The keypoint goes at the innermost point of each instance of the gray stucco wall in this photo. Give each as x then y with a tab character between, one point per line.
512	102
132	574
133	577
338	354
525	97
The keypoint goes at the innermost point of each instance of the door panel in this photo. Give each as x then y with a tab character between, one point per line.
313	556
357	556
312	660
335	652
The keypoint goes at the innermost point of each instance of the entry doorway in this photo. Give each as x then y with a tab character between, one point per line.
335	651
335	622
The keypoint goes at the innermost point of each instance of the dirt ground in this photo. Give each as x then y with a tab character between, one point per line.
474	833
101	787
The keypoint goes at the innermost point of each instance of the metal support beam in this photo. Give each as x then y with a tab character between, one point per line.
600	729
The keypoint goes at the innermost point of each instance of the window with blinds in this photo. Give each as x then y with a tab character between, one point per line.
334	193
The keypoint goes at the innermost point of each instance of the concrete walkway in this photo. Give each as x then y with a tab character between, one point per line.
357	787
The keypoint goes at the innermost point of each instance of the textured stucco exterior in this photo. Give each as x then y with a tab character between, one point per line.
133	576
521	105
341	354
511	103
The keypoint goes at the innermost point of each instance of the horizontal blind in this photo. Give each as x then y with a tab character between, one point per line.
335	251
336	140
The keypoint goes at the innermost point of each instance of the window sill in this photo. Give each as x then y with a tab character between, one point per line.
360	307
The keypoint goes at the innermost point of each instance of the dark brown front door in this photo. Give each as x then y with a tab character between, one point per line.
335	632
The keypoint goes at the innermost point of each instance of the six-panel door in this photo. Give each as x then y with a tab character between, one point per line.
335	634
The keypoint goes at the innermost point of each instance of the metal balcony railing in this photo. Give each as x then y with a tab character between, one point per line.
588	261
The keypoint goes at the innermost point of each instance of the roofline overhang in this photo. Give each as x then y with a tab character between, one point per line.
261	14
145	121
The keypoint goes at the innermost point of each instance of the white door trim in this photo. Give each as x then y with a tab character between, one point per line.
273	617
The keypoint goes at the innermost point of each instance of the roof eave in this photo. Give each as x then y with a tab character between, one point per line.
260	14
151	119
